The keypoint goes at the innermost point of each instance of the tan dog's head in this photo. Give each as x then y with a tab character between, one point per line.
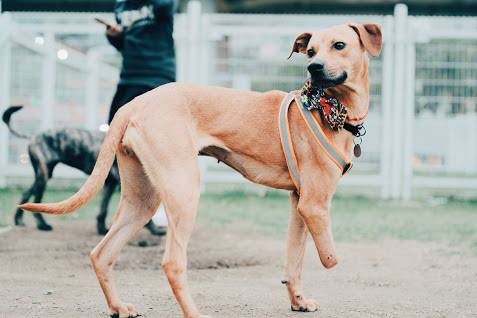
339	54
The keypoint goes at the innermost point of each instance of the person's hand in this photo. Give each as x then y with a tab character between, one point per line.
113	30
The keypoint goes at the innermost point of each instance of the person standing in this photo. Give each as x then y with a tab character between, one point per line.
143	35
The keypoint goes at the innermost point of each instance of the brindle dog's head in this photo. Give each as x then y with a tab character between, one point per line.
338	55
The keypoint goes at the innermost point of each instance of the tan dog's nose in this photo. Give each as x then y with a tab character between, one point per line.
316	67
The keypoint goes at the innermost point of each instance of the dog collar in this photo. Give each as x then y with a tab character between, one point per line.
333	111
355	130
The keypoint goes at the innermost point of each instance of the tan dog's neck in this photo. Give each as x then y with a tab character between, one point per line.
356	99
354	94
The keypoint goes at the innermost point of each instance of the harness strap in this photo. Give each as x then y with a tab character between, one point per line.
285	138
332	152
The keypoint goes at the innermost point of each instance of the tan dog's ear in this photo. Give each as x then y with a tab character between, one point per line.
370	36
301	43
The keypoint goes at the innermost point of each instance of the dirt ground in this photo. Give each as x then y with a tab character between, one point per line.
234	273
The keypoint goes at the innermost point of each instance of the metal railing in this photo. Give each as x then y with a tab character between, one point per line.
422	127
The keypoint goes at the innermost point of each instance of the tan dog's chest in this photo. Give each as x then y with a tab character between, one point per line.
273	176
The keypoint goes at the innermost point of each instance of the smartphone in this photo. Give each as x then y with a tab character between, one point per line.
99	20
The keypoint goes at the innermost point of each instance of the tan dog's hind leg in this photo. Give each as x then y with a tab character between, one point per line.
137	205
296	244
171	164
181	211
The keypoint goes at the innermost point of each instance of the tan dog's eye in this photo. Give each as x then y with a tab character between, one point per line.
339	46
310	52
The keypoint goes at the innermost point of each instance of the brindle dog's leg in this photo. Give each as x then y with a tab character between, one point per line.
154	229
43	172
28	193
25	197
40	186
296	244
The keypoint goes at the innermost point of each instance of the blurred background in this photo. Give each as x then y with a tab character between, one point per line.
404	219
422	127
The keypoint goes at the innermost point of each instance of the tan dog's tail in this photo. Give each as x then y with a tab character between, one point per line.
95	181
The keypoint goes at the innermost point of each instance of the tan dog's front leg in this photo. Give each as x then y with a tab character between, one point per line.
314	209
295	252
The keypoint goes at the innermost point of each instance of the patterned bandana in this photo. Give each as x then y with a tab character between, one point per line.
312	97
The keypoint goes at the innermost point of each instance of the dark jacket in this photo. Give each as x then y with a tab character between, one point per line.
146	41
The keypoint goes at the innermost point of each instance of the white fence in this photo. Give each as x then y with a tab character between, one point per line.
422	127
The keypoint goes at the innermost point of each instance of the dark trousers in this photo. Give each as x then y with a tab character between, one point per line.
124	94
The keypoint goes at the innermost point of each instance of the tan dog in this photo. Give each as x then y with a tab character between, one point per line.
158	135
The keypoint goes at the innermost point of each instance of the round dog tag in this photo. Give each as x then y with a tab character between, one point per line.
357	150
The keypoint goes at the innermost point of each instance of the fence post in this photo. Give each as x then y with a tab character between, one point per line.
5	66
204	50
48	82
387	108
92	87
400	33
193	41
408	112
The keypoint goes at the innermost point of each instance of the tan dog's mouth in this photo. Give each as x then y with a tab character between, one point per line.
323	80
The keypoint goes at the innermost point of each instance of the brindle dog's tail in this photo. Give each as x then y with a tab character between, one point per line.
95	181
6	119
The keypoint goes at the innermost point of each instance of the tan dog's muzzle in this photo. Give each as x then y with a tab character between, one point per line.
323	78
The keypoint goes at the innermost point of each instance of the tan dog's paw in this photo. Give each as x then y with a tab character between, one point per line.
304	305
123	311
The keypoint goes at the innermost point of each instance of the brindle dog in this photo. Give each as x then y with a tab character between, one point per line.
77	148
